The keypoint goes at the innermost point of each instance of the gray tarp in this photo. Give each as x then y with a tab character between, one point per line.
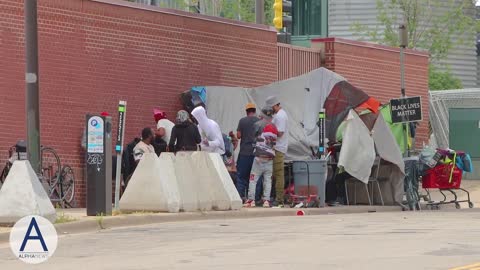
357	159
302	98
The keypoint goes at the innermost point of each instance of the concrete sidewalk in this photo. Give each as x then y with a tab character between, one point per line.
72	221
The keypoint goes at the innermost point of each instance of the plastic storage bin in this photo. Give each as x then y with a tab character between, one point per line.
317	170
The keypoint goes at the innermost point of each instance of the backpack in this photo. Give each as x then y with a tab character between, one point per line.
128	161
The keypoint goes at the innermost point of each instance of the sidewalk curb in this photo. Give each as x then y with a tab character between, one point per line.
130	220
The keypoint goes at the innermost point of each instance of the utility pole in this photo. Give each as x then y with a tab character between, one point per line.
31	79
403	35
260	11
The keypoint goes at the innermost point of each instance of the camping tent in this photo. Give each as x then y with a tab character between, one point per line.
302	98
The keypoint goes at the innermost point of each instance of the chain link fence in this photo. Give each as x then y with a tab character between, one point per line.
441	102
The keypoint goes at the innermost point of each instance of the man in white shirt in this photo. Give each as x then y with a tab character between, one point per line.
164	126
280	120
145	145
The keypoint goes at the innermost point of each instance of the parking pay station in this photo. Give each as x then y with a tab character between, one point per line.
99	165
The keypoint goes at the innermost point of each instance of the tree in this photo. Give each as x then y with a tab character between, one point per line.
244	10
442	80
433	25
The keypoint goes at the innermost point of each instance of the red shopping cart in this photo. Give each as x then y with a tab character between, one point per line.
445	177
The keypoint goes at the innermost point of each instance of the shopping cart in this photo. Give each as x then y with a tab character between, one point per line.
445	177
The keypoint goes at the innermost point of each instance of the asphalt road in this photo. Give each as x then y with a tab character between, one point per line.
397	240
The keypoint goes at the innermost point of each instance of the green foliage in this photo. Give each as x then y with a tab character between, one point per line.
436	26
442	80
244	10
63	218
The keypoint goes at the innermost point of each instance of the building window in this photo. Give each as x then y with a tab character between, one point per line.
310	17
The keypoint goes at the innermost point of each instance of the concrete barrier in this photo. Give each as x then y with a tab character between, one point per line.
226	181
148	189
187	188
22	194
187	181
210	182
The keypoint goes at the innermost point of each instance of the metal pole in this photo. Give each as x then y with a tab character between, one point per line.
402	71
402	88
403	34
31	78
260	11
122	115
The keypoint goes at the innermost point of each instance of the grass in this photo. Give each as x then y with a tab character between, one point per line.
99	219
62	218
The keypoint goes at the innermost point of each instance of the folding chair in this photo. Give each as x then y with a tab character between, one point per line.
373	179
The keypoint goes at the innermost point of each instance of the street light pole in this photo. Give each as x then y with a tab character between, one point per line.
403	35
260	11
31	79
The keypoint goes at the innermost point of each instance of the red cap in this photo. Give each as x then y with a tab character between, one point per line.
105	114
159	115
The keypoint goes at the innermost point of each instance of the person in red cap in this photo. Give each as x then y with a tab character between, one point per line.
267	134
163	131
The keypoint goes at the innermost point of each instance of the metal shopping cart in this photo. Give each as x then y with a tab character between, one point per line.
446	177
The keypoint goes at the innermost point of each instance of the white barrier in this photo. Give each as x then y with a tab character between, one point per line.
170	184
187	188
226	181
210	182
187	181
22	194
148	189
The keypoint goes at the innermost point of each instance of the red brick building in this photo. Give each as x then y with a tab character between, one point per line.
94	53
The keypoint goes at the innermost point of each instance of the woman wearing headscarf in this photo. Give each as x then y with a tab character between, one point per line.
185	135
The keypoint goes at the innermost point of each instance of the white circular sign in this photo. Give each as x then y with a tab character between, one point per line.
31	78
33	239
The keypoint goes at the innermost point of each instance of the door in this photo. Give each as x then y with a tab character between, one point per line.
464	129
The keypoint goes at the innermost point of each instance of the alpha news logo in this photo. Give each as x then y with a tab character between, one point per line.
33	239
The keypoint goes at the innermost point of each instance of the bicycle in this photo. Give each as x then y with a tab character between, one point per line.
59	182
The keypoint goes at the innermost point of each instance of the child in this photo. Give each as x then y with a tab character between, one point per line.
266	136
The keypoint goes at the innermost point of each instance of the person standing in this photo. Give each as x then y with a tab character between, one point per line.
280	120
164	126
145	145
246	135
212	138
264	155
185	135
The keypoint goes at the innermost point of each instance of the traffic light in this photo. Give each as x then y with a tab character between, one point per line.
283	13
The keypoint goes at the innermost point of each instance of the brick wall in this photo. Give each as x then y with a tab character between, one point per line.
376	70
94	53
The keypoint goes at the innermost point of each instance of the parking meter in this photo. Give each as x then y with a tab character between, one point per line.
99	165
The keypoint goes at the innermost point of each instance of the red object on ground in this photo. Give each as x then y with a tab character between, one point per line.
439	177
300	213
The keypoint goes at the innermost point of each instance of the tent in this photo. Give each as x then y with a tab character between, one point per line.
369	119
302	98
360	146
